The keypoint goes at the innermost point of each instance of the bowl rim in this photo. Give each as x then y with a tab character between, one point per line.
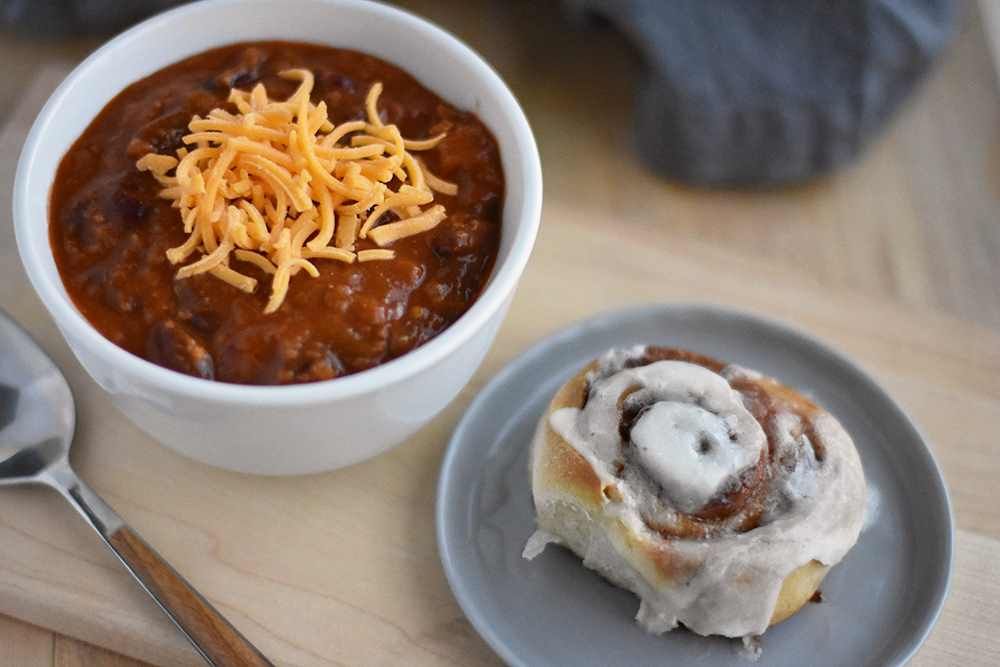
502	282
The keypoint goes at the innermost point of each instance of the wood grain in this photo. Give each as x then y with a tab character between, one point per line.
221	643
23	644
895	260
966	631
71	653
989	11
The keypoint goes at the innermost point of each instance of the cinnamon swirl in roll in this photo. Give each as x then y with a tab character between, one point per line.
717	495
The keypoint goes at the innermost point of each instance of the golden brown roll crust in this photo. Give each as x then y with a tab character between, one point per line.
561	466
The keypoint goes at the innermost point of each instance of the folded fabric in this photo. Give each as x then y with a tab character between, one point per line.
64	17
765	92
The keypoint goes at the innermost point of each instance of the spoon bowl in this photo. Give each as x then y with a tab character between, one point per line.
37	417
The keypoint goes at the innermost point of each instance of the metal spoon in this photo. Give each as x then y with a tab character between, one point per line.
37	419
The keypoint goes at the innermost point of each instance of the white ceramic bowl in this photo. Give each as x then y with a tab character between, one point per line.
299	428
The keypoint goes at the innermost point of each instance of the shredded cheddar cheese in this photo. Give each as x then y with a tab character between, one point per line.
370	255
278	186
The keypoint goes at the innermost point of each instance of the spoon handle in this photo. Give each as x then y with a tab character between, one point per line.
215	639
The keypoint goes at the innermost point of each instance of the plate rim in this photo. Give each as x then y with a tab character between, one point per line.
672	308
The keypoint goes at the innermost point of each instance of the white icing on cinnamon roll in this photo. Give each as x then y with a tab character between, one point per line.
693	438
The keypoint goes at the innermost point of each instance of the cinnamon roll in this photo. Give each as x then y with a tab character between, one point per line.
719	496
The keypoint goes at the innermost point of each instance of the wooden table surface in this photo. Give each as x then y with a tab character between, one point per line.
911	234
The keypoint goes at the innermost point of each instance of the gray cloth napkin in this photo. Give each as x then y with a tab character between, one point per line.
65	17
765	92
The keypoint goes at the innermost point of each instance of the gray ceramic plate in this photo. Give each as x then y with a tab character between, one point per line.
879	603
